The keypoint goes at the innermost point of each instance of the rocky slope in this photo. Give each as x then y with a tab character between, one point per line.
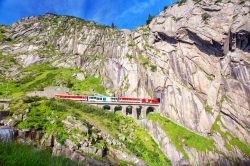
194	56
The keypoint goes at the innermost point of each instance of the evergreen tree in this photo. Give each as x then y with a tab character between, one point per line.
113	25
150	18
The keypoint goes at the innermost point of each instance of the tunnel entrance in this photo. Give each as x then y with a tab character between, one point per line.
150	109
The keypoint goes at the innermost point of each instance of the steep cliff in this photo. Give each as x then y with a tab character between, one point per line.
194	56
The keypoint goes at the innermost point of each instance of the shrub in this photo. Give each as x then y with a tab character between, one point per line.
242	2
181	2
217	2
153	68
165	8
113	25
208	108
143	60
150	18
26	26
205	17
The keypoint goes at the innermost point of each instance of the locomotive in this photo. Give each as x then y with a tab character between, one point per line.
107	99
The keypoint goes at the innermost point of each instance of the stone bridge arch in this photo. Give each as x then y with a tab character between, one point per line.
129	110
150	109
118	108
146	110
106	107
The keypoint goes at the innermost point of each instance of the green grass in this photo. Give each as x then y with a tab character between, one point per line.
44	111
143	60
181	137
40	76
2	32
138	142
208	108
12	154
230	140
153	68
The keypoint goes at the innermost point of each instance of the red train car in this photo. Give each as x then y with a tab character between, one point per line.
152	101
72	97
129	100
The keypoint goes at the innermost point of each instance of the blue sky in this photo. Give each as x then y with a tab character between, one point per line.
124	13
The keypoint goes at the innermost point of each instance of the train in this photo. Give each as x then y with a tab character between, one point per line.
107	99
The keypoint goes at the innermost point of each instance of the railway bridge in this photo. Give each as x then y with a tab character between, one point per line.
136	110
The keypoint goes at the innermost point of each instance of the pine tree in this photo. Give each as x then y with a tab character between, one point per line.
150	18
113	25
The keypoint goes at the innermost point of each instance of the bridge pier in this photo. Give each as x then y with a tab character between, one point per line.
144	112
140	110
134	113
124	110
112	108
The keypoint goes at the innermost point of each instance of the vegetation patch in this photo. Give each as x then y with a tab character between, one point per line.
230	140
45	111
205	17
242	2
217	2
149	20
2	32
17	154
181	2
40	76
197	1
181	137
153	68
208	108
143	60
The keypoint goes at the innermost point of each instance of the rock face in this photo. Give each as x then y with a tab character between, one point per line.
194	56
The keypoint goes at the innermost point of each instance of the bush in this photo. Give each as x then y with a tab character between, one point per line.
153	68
181	2
143	60
242	2
149	20
205	17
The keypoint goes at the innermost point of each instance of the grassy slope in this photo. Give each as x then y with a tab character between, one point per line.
43	111
40	76
12	154
230	140
181	137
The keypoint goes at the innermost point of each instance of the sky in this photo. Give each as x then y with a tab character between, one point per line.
125	14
